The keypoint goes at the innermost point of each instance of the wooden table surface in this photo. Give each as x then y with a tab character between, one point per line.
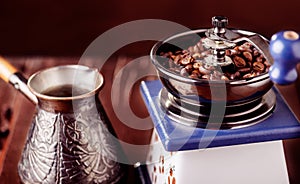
23	110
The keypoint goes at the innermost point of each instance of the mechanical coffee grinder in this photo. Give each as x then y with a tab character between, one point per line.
217	116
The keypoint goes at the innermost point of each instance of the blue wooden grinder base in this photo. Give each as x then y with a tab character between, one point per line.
282	124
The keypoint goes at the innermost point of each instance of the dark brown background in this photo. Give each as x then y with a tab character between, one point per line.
65	28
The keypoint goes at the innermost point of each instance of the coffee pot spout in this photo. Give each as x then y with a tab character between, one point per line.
11	75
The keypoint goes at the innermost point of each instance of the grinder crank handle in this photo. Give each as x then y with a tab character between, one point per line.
285	50
10	74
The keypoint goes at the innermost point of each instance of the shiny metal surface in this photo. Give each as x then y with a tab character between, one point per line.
20	83
69	140
200	90
261	44
76	75
236	116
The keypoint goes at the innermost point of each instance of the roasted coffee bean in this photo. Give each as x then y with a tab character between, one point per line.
178	52
267	64
248	44
231	76
191	49
244	48
260	58
247	62
267	69
239	62
258	66
196	49
233	52
185	51
172	57
189	68
196	55
227	52
163	54
257	73
248	56
200	46
186	60
197	65
223	77
235	75
244	70
203	70
248	75
236	48
205	76
255	52
195	74
177	59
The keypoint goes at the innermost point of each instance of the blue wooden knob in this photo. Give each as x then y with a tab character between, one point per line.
285	50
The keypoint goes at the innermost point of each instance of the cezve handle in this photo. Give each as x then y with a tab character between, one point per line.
11	75
285	50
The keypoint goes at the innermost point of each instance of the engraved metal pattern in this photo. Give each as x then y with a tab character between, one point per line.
70	148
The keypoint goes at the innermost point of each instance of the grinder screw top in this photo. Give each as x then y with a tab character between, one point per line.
219	23
218	43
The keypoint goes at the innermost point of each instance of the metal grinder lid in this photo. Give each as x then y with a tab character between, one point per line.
220	38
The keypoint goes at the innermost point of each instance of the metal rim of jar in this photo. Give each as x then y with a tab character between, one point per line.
77	97
162	69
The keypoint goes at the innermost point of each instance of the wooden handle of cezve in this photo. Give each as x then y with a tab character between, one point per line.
11	75
6	69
